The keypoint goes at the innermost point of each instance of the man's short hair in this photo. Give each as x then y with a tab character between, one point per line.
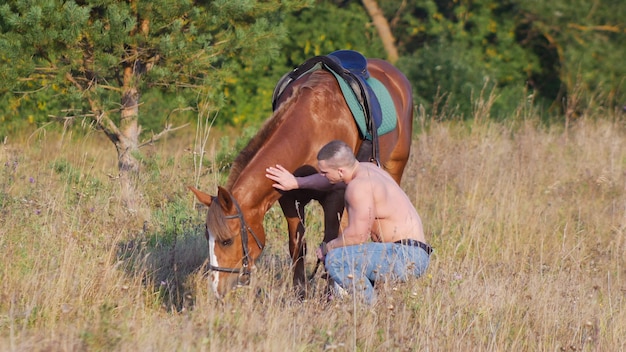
337	154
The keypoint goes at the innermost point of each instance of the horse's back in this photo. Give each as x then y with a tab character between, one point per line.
314	101
395	146
397	83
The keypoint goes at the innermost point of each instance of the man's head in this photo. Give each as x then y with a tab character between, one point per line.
334	159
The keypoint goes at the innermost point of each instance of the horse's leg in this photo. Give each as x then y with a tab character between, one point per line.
293	208
399	155
333	205
395	168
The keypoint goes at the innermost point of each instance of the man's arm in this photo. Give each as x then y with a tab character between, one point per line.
361	214
286	181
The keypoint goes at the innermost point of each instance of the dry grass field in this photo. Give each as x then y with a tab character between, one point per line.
527	221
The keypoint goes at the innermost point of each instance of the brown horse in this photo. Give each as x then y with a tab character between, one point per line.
310	113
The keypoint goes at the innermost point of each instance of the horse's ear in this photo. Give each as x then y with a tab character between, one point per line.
225	200
203	198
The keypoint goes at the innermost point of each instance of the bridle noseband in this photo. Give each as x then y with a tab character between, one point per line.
244	271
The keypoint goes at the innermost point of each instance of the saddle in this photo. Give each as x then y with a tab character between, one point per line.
351	66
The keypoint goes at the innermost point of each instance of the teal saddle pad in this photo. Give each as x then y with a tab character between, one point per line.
389	120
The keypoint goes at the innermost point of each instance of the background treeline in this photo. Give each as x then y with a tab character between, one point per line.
563	56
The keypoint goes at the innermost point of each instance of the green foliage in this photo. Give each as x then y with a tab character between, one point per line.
77	184
546	49
442	71
75	53
454	50
449	73
67	172
232	53
587	40
7	178
327	27
228	152
160	108
315	30
175	220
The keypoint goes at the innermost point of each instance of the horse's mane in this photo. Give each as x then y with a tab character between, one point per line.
216	222
256	142
317	80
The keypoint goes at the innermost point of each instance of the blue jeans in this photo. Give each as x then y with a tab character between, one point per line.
358	267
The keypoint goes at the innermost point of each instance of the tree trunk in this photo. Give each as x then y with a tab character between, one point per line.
382	26
127	144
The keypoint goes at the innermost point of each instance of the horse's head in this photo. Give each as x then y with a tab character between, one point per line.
233	246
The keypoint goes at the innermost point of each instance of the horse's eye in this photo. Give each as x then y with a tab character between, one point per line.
227	242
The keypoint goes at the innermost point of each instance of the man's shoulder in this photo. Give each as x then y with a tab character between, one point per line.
359	186
354	184
371	174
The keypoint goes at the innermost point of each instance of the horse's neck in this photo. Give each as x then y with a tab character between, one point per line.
255	196
250	186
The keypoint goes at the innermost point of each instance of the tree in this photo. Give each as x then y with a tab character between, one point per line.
382	26
581	46
98	56
565	54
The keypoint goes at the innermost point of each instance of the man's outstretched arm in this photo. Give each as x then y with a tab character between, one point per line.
286	181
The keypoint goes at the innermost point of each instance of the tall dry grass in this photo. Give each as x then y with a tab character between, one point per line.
527	221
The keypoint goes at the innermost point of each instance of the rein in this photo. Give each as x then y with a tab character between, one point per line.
244	271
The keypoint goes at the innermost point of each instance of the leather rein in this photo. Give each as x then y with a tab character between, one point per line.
243	233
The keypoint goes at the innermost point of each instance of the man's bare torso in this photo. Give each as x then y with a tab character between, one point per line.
395	217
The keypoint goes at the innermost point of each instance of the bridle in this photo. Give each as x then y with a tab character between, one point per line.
244	271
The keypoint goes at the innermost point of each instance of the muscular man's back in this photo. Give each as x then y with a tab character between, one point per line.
395	216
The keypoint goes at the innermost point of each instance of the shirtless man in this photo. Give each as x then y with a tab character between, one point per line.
377	209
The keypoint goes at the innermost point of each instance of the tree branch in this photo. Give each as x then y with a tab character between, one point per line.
100	117
155	137
601	28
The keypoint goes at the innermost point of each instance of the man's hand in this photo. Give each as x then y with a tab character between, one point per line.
285	181
321	251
